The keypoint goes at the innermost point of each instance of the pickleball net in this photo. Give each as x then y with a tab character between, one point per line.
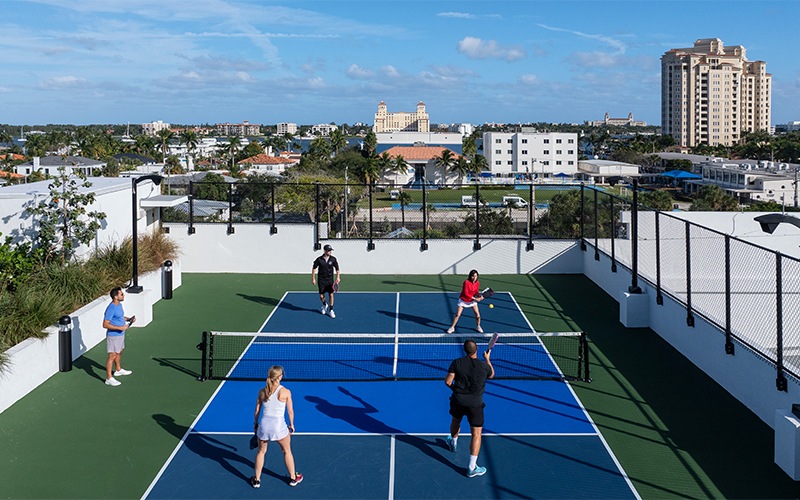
365	357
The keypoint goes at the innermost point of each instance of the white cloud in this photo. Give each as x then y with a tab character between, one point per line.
316	83
457	15
390	71
63	82
529	79
618	45
475	48
594	59
356	72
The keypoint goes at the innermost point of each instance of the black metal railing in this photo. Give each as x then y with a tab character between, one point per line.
738	286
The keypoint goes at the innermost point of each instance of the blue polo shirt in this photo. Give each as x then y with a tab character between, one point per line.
116	315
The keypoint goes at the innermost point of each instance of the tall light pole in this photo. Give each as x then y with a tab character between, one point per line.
135	288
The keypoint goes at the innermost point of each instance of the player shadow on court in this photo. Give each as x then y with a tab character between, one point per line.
91	367
420	320
286	304
359	416
205	446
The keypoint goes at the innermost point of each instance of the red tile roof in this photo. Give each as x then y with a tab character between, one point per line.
419	153
11	175
265	159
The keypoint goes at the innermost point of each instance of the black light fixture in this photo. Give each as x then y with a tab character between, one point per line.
135	288
633	181
770	221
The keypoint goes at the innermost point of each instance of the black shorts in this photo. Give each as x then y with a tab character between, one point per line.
474	414
325	287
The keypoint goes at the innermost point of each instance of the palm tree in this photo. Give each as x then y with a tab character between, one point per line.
338	141
234	143
461	168
445	162
166	135
370	171
385	163
6	138
404	200
189	137
479	164
370	143
401	166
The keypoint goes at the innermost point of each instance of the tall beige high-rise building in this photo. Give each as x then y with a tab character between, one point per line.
712	94
401	121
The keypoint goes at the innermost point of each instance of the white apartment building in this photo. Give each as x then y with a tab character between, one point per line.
286	128
712	94
153	128
323	129
540	154
241	129
749	181
401	121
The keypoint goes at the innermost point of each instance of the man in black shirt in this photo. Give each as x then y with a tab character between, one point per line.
466	377
328	266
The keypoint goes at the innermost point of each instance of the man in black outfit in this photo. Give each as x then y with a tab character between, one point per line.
466	377
327	264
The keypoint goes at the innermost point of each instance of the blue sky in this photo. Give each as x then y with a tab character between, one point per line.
209	61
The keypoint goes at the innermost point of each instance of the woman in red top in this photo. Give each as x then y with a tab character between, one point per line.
470	296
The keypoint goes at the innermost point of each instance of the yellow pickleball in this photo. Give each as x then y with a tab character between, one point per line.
491	306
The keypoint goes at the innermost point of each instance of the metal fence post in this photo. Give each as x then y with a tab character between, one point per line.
728	342
659	295
780	382
317	244
424	245
230	209
582	217
613	250
370	244
273	229
689	315
596	248
477	244
531	217
191	207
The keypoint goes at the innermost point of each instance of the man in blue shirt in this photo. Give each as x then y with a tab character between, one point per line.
115	322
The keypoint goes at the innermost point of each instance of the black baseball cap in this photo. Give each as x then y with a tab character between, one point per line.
328	248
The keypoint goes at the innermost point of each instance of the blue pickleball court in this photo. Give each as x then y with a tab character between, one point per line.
361	436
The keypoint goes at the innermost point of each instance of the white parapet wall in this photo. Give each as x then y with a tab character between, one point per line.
745	374
252	249
33	361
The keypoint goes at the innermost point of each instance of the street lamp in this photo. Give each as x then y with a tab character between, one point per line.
135	288
769	222
634	288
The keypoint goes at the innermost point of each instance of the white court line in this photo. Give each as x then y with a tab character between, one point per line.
190	430
391	467
516	434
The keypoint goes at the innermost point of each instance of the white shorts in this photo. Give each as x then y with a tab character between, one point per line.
471	303
115	343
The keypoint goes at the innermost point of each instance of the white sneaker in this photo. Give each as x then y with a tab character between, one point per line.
113	382
332	314
122	371
324	309
451	330
480	330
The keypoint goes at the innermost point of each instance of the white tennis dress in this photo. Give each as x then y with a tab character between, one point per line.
272	424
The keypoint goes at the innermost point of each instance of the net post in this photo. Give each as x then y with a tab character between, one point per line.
585	355
203	346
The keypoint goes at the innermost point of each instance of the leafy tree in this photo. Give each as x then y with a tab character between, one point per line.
677	164
404	200
491	222
63	219
460	168
370	171
253	149
711	198
190	139
659	200
212	187
765	206
17	263
400	166
385	163
319	148
562	219
234	143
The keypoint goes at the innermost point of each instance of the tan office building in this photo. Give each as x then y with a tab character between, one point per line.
401	121
712	94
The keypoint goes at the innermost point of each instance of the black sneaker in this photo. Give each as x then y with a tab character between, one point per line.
255	483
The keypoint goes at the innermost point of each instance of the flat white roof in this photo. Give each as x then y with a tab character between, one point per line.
100	185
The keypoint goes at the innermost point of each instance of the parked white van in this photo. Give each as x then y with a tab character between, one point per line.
514	201
468	200
394	194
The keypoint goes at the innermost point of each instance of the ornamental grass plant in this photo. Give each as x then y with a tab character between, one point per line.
54	290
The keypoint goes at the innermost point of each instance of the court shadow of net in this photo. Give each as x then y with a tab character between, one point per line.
207	447
359	416
189	366
91	367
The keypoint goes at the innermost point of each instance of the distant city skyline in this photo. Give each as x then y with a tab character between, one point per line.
320	61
